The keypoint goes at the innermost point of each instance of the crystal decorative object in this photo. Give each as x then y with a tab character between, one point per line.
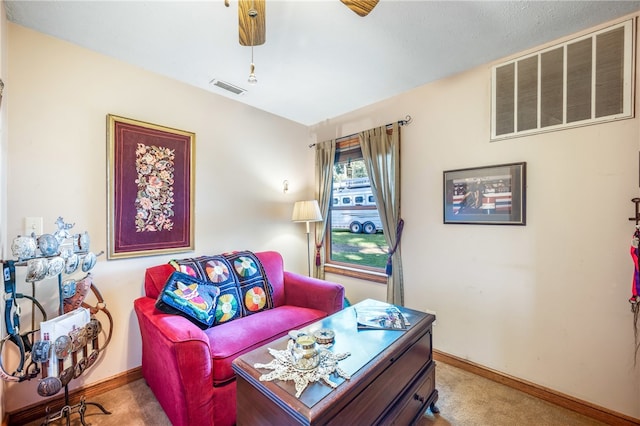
89	262
48	245
71	264
24	247
37	269
55	267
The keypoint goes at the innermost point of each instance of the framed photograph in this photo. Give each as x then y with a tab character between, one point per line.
494	195
151	188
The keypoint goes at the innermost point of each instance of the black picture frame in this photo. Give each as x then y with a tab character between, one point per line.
490	195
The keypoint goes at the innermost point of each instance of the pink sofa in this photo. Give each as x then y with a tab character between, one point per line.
189	369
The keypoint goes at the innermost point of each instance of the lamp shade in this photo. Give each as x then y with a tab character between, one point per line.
306	211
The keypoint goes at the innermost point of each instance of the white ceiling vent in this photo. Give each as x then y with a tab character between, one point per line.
228	86
585	80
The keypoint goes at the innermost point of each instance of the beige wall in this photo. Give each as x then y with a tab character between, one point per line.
545	302
57	151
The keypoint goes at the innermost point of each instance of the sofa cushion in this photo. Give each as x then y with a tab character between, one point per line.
190	297
273	265
155	278
230	340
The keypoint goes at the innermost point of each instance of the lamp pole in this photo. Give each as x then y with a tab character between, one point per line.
307	211
308	250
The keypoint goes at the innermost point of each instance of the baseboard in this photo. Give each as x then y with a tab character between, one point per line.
585	408
39	410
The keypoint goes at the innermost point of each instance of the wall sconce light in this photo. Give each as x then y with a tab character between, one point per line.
285	186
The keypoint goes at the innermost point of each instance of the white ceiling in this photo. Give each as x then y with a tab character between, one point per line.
320	59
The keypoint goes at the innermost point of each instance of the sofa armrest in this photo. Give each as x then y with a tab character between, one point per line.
309	292
174	328
176	363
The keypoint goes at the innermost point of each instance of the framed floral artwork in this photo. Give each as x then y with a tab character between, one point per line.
151	188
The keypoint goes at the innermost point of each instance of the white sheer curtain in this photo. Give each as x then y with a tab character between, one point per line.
381	153
325	156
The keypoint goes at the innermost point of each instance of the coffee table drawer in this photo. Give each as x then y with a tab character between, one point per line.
415	401
388	387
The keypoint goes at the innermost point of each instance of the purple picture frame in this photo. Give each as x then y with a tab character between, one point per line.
151	188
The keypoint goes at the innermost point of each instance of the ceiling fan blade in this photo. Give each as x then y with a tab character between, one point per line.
251	29
361	7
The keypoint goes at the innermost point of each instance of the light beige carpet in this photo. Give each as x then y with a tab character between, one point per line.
470	400
465	400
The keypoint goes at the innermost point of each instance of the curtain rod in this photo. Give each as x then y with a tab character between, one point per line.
407	120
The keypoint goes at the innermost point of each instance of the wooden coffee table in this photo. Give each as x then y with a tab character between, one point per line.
392	377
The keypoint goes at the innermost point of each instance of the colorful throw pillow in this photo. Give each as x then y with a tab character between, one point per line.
190	297
217	271
243	285
255	289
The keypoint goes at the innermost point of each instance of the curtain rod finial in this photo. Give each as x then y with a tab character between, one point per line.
407	120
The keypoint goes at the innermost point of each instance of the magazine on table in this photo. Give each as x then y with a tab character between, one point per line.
381	318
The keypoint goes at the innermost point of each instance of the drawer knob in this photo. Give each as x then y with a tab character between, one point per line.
418	398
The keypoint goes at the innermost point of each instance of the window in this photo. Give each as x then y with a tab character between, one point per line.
355	244
583	81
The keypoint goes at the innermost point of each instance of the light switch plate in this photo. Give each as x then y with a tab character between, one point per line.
32	224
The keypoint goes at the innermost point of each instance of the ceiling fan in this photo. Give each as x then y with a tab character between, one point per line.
361	7
251	18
